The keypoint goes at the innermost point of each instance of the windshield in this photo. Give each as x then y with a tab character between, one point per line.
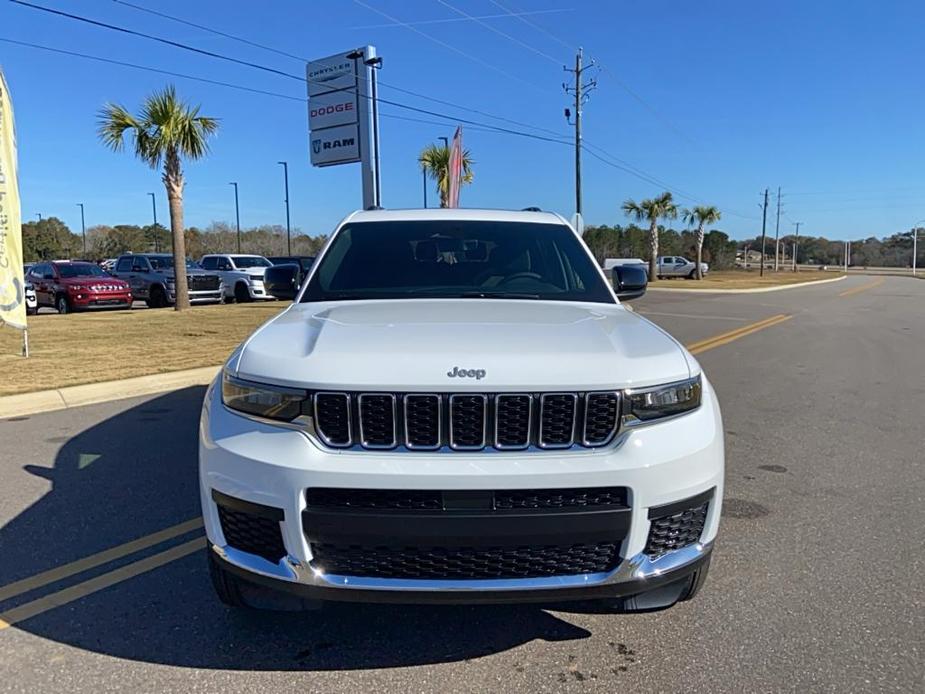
456	259
81	270
245	261
165	262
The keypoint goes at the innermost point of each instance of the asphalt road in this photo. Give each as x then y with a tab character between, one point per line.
816	584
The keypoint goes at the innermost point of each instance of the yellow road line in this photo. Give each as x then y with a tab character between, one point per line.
732	335
37	581
862	288
81	590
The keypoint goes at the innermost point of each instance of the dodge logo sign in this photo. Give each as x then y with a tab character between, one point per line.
332	109
316	146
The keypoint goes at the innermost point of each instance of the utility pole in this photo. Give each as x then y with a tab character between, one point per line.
286	183
424	171
795	243
83	227
764	219
237	213
581	92
915	247
777	234
154	212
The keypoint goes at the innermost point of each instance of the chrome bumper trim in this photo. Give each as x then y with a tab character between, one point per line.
637	568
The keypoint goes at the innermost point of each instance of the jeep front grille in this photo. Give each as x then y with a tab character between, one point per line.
466	421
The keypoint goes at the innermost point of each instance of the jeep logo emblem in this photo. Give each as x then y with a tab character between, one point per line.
477	374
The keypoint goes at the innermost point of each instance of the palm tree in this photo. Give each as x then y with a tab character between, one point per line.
662	207
435	162
166	130
701	216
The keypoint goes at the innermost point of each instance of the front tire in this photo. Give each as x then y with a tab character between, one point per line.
241	295
62	304
158	298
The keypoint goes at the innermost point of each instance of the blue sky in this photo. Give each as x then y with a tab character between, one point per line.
719	99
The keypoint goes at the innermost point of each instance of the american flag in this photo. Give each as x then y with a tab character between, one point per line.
455	169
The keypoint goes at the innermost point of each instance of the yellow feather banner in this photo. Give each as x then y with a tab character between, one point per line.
12	282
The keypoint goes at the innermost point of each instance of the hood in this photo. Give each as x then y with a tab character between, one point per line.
91	281
414	345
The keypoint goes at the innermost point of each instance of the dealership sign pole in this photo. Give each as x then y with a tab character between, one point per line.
341	115
12	282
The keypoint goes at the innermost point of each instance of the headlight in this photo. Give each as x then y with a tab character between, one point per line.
261	399
648	404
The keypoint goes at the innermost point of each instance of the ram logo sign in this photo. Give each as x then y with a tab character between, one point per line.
335	145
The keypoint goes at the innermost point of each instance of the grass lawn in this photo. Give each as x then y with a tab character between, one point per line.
744	279
104	346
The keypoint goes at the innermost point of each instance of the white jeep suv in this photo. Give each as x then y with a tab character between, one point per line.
242	274
457	408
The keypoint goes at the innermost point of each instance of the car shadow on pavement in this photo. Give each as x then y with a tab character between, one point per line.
136	473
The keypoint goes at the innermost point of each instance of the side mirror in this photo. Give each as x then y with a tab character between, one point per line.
629	281
282	281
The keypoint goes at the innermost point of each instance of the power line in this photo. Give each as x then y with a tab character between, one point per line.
389	102
175	44
624	166
501	33
450	20
205	28
449	46
151	69
402	90
616	78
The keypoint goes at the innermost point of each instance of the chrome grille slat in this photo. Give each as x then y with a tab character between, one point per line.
557	420
423	421
334	418
601	418
512	427
466	422
378	420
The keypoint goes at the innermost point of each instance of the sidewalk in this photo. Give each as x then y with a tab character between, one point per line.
41	401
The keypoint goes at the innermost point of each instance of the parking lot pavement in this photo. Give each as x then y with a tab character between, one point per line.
816	583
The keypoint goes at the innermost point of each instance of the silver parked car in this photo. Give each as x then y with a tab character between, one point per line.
152	278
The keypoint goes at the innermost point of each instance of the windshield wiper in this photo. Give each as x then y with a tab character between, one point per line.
498	295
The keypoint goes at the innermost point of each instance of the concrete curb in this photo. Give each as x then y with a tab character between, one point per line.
92	393
753	290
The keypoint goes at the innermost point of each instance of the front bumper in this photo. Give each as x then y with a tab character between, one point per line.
206	296
272	467
94	300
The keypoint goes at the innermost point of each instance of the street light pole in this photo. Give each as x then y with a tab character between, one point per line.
154	212
795	244
237	214
39	215
424	173
915	246
83	227
285	166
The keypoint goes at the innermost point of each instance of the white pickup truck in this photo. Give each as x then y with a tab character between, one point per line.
458	408
678	266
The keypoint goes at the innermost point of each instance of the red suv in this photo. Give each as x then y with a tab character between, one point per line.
75	286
